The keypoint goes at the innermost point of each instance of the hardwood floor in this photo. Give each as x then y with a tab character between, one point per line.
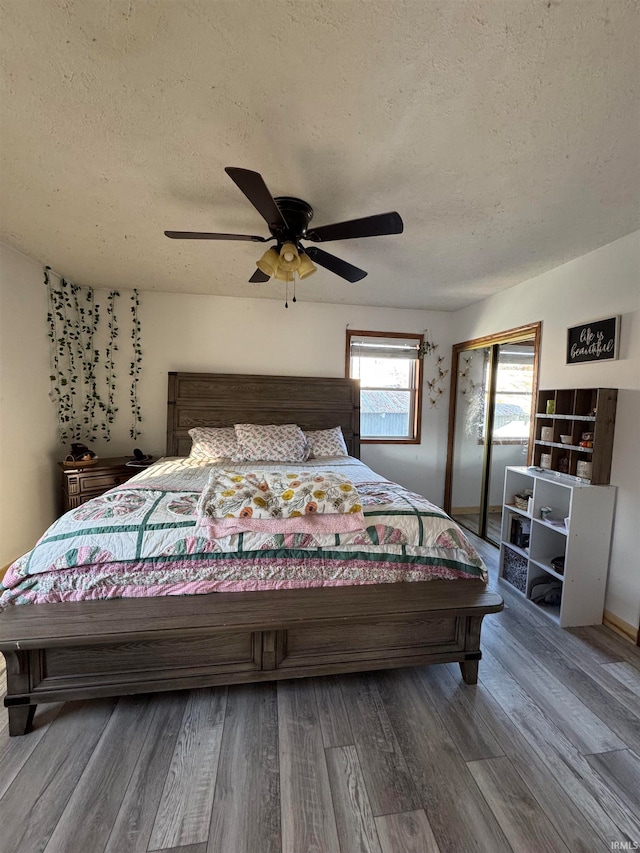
543	755
471	524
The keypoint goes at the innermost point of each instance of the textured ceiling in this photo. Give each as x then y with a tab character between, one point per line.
505	132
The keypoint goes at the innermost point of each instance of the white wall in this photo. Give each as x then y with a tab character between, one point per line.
28	446
601	284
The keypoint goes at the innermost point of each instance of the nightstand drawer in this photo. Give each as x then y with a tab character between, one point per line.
100	482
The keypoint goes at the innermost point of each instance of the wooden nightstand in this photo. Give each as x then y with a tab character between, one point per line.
82	484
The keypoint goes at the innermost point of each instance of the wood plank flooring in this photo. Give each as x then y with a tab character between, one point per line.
471	523
542	755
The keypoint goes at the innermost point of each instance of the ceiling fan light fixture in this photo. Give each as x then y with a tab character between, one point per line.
268	263
284	275
307	267
289	258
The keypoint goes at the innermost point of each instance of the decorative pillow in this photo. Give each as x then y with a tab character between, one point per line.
213	443
326	442
271	443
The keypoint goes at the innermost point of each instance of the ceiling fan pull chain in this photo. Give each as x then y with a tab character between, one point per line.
286	294
294	290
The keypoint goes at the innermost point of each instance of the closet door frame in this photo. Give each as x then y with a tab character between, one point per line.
510	336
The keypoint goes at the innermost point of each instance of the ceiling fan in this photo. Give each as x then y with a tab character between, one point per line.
288	219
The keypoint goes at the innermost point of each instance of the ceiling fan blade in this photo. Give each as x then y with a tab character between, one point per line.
336	265
255	189
368	226
203	235
259	276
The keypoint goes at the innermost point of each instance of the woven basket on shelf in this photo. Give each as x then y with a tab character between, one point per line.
68	462
514	570
521	503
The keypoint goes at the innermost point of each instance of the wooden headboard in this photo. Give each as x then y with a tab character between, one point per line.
225	399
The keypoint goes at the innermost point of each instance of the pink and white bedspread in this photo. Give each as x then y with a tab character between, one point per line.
145	538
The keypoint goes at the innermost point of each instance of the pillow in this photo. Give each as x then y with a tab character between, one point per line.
271	443
326	442
213	442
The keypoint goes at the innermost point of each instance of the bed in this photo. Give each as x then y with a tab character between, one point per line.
323	606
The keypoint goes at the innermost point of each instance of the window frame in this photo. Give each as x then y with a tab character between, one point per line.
416	424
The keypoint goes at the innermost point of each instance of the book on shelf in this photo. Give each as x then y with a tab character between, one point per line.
520	533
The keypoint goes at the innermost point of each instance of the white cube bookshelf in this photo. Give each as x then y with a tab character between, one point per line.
578	528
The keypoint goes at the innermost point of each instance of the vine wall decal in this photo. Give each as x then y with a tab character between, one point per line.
84	360
136	366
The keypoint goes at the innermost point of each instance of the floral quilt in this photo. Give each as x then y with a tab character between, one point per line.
144	539
279	502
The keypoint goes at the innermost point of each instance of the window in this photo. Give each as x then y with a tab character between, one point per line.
388	367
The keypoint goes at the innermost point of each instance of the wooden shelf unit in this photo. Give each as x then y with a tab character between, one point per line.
579	529
577	411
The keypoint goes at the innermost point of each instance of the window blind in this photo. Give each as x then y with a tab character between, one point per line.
370	347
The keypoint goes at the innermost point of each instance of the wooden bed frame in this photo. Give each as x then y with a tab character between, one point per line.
80	650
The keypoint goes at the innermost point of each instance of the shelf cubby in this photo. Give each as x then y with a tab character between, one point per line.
577	411
578	529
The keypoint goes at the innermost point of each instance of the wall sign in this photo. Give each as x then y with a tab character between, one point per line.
596	341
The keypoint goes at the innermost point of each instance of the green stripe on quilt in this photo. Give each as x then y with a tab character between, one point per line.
417	513
121	528
143	526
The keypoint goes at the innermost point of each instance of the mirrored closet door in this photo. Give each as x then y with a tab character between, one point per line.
493	389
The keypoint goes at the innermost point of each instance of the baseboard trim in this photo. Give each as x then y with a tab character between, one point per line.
621	627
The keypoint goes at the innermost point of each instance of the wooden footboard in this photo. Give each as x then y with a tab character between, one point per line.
59	652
